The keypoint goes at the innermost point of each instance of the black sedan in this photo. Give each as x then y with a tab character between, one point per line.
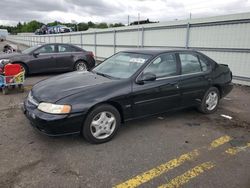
128	85
51	58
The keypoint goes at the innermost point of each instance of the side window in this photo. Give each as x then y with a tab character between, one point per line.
204	63
65	48
189	63
46	49
164	65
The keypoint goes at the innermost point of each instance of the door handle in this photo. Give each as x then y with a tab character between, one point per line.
175	84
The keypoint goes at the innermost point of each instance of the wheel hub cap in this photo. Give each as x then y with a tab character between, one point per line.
103	125
212	100
81	67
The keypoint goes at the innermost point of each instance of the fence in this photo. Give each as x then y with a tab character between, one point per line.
226	39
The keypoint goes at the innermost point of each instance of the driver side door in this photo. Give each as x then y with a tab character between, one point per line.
162	94
43	60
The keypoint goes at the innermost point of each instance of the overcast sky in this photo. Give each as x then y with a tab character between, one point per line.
111	11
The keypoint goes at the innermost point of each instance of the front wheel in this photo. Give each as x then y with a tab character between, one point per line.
210	101
23	68
101	124
81	66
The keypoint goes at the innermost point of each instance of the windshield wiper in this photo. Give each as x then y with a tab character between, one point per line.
105	75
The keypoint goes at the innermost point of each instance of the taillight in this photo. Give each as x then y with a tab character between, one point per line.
91	54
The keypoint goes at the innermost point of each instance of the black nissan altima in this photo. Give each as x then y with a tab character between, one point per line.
126	86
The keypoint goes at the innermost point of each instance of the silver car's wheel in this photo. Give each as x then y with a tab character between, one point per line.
212	100
81	66
103	125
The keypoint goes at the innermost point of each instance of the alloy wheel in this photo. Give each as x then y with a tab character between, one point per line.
81	66
103	125
212	100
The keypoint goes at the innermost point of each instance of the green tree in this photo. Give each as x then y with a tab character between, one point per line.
32	26
91	24
54	23
83	26
116	25
102	25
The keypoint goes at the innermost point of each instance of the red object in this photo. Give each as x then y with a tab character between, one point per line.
91	54
12	69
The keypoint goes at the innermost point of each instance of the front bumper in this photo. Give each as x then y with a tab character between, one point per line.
53	125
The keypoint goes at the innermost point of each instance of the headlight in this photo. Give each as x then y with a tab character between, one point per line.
54	108
3	61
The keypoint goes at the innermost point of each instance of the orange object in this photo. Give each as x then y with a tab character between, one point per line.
12	69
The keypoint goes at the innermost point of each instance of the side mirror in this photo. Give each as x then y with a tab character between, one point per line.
35	54
148	76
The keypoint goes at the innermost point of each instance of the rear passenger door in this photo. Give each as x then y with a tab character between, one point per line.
65	57
195	78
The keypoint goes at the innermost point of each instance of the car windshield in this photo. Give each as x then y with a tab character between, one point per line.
122	65
28	50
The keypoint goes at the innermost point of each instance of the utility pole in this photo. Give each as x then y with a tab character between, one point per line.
138	18
190	16
138	45
128	20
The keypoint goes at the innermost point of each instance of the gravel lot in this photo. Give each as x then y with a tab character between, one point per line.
29	159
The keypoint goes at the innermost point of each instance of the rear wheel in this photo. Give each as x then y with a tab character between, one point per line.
101	124
210	101
81	66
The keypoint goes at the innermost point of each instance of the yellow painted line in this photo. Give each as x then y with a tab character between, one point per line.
220	141
235	150
188	175
149	175
163	168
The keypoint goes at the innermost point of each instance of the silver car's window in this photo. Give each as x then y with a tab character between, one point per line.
162	66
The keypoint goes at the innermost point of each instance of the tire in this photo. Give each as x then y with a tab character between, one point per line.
97	128
81	66
210	101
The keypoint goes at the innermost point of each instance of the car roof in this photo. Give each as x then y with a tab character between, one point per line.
54	43
68	44
155	51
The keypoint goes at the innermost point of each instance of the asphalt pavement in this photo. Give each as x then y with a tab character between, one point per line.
177	149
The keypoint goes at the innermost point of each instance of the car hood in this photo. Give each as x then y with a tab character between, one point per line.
58	87
11	56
